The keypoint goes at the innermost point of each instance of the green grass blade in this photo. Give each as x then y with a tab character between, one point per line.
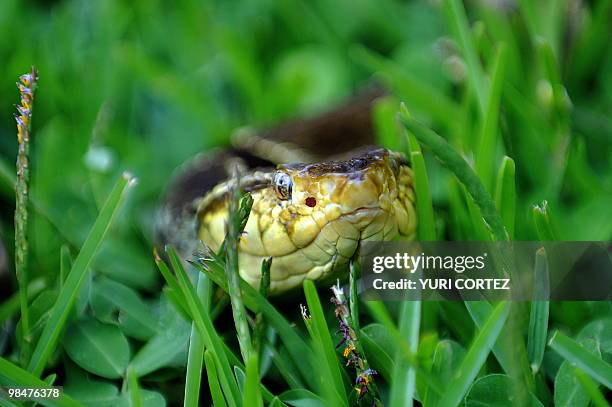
213	380
234	230
466	175
538	319
404	374
487	144
461	28
173	285
195	356
317	326
476	356
67	296
591	389
21	378
135	394
479	312
480	231
254	301
505	194
426	227
592	365
207	330
252	393
543	224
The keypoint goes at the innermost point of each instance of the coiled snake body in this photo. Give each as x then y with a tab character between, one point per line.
309	217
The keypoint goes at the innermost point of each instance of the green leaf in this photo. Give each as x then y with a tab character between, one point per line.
447	359
168	347
476	355
114	302
594	366
600	332
93	393
376	343
149	399
301	398
98	348
569	389
496	390
62	307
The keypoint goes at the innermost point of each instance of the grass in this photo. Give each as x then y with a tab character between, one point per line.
504	114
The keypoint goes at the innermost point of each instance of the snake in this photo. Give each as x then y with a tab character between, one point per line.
311	210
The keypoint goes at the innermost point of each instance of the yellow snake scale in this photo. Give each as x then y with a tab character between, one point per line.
310	217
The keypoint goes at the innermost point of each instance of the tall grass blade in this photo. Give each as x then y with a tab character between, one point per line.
476	356
135	394
195	356
234	229
207	330
538	319
461	28
213	380
253	300
404	375
543	223
487	144
319	331
18	377
67	296
591	389
505	193
252	393
466	175
426	228
592	365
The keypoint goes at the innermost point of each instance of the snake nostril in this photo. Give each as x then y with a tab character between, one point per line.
311	202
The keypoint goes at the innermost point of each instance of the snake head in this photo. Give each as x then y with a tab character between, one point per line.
311	217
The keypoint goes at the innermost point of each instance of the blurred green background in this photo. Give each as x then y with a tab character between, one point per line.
143	85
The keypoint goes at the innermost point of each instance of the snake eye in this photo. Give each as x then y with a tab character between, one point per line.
283	185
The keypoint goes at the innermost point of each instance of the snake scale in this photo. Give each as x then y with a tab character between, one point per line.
319	189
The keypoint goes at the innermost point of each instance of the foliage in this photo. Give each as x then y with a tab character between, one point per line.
507	125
